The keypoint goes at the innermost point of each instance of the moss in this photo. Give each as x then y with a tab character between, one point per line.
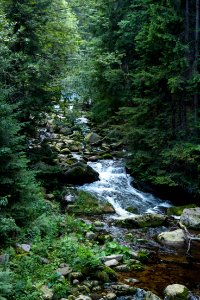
178	210
89	205
106	274
102	276
106	156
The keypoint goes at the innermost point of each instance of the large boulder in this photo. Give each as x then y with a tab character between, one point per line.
140	221
176	292
173	238
93	138
80	173
191	218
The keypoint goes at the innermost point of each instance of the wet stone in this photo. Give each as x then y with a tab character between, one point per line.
176	292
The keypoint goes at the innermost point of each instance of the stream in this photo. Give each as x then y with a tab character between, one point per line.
165	265
115	187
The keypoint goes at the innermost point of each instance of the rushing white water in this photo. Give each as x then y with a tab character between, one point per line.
115	187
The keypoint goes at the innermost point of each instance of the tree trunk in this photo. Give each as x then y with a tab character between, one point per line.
195	67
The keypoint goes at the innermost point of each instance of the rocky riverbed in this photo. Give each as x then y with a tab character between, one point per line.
164	257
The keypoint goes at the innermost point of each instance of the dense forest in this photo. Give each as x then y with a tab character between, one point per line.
144	57
133	66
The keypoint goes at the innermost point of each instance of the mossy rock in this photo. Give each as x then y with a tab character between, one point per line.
106	274
80	173
105	156
178	210
142	221
176	292
102	276
87	204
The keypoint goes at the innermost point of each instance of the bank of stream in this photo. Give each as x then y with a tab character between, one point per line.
165	265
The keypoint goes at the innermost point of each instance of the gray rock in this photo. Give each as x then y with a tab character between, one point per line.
175	238
44	260
191	218
93	138
64	270
117	257
145	295
111	263
110	296
83	297
91	235
121	288
99	224
50	196
134	254
47	293
75	282
176	292
23	247
132	280
123	268
65	130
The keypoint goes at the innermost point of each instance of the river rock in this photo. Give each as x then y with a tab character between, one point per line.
83	297
65	151
93	158
173	238
47	293
91	235
110	296
65	130
117	257
191	218
93	138
145	295
176	292
123	289
111	263
140	221
123	268
23	248
64	270
80	173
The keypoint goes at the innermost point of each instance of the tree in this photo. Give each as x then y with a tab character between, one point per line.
46	35
20	197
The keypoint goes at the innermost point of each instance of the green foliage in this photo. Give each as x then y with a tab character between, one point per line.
6	286
77	255
115	248
43	41
144	79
